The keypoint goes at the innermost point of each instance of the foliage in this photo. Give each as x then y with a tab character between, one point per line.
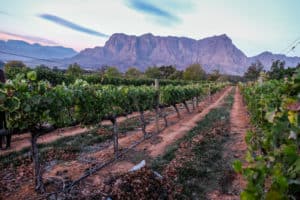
194	72
166	71
273	148
32	103
54	76
12	68
253	71
214	76
74	70
152	72
177	75
111	72
278	70
133	72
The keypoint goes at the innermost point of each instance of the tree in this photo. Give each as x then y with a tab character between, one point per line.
215	75
153	72
277	70
194	72
111	72
177	75
133	72
166	71
12	68
74	70
253	71
54	76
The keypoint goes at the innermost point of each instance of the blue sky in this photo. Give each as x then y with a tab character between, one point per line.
253	25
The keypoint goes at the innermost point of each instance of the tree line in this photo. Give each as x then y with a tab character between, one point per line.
194	72
277	71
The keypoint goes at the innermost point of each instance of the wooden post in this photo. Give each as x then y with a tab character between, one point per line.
116	136
142	118
209	92
157	106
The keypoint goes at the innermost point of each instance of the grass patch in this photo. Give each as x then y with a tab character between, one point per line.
160	162
208	170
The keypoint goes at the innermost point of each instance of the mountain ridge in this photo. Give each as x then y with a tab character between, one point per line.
25	50
215	52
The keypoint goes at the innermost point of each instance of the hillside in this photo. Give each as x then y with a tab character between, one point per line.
7	48
217	52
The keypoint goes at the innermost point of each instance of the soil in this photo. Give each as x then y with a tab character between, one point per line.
177	131
22	141
236	147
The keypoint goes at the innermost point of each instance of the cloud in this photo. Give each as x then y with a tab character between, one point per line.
31	39
4	13
71	25
161	15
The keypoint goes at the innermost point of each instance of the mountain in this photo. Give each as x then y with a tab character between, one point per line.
266	58
123	51
10	47
217	52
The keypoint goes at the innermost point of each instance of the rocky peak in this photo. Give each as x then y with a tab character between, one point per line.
216	52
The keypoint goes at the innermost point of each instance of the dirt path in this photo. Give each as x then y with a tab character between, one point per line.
173	133
236	147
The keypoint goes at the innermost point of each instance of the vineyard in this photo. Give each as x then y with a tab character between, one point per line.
189	135
273	146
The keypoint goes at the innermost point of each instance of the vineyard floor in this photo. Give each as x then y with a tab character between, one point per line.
22	141
235	147
57	173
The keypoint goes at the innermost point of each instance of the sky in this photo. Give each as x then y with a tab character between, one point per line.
253	25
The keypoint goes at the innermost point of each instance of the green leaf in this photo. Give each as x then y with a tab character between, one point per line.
270	116
249	157
247	196
2	96
32	75
237	166
274	195
12	104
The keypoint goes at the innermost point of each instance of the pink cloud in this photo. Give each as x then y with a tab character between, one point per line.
30	39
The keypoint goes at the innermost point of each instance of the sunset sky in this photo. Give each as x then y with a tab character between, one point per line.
253	25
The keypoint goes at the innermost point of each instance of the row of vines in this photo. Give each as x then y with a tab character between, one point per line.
37	106
273	151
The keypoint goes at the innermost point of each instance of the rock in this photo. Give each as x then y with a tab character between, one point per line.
217	52
138	166
236	155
